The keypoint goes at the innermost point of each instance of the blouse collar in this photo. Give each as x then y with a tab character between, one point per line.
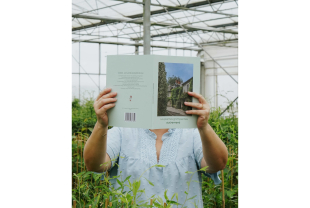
153	135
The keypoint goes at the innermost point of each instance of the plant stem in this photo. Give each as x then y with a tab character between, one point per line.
223	190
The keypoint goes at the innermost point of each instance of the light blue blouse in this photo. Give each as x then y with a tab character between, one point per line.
181	151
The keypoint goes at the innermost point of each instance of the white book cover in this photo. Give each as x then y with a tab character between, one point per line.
151	90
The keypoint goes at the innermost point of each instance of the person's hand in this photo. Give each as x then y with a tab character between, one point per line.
104	101
203	110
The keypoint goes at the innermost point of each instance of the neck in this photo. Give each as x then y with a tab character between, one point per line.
159	131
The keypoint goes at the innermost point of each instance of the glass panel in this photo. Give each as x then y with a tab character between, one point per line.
141	50
89	53
227	90
179	52
187	53
172	52
194	53
126	50
160	51
89	86
75	57
106	49
75	86
103	79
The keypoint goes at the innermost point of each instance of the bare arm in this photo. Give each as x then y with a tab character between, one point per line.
95	150
214	150
215	153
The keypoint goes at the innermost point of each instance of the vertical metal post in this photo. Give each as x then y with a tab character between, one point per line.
79	70
169	50
202	79
215	85
117	44
146	27
137	48
99	65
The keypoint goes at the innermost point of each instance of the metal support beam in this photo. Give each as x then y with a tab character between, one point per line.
196	4
185	29
117	20
176	8
147	27
139	44
182	31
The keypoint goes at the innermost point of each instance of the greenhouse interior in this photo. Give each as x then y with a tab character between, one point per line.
191	28
205	29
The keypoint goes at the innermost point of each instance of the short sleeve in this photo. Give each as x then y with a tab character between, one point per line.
199	155
114	138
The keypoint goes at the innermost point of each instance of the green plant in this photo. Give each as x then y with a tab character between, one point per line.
83	116
88	187
91	190
162	90
227	130
172	80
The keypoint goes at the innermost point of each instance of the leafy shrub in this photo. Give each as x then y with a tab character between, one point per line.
88	185
91	190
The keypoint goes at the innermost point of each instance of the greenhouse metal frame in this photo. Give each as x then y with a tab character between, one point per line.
204	28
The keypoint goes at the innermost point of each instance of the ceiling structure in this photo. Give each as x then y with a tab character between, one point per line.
209	27
179	24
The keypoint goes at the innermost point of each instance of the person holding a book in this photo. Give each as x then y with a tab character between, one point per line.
176	155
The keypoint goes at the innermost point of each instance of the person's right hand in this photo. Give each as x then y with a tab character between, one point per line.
104	101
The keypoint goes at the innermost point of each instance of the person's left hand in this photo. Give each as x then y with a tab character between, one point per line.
203	110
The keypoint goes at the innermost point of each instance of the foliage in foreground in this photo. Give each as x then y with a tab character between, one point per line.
91	190
84	119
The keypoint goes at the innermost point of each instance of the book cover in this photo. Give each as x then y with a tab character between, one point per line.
151	90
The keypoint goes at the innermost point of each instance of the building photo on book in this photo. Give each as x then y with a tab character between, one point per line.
174	81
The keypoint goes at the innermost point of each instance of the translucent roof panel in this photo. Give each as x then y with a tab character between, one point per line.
181	23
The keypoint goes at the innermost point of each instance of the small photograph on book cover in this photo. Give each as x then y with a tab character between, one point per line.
174	81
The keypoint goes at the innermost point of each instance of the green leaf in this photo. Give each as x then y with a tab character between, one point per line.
106	179
204	168
90	129
186	192
172	196
127	178
159	166
119	183
173	202
189	172
160	200
123	199
148	181
191	197
165	195
188	183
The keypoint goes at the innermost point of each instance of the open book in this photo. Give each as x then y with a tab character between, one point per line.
151	90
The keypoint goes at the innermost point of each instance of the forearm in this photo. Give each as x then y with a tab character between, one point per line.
214	150
95	149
